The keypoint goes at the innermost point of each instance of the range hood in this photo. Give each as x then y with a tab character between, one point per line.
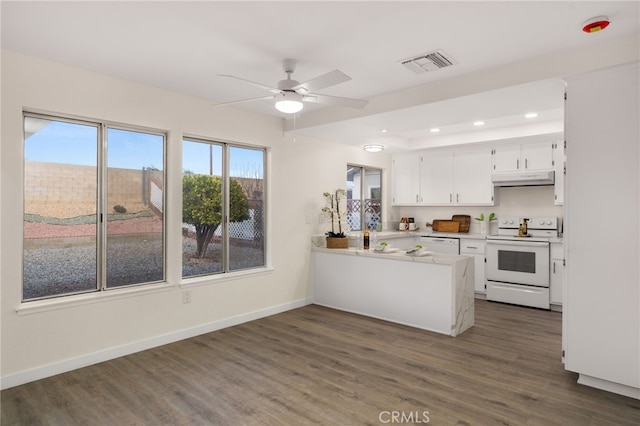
523	178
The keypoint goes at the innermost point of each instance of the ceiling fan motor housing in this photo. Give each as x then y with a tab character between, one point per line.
287	85
289	66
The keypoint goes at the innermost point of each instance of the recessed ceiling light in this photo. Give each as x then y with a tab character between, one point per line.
384	130
373	147
531	115
434	130
478	123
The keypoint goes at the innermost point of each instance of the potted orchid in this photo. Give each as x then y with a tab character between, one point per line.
332	209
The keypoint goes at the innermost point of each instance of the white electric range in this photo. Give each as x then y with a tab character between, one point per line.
518	264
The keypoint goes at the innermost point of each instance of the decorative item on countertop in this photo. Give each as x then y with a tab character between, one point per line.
484	224
404	224
523	229
440	225
464	221
332	209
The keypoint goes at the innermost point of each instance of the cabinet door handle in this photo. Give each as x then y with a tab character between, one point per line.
526	163
554	267
518	164
457	198
476	248
450	198
416	198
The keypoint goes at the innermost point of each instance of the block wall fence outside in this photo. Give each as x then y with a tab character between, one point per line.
70	184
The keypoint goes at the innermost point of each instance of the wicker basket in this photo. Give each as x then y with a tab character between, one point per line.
337	243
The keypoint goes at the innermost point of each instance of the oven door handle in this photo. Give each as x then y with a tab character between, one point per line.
518	243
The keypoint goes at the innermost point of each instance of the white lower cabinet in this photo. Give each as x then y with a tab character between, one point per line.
556	289
475	248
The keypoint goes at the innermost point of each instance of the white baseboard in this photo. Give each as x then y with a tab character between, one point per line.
49	370
608	386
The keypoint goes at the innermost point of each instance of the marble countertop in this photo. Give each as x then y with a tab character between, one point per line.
435	258
380	235
461	235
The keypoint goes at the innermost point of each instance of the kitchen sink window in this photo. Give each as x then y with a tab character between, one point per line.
364	197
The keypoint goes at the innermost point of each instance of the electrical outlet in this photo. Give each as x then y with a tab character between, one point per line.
186	296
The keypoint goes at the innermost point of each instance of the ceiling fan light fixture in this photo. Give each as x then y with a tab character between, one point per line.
289	102
374	147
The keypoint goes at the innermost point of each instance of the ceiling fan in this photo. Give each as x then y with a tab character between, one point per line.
290	94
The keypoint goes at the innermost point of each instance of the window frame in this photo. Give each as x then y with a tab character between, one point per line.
226	271
363	188
102	127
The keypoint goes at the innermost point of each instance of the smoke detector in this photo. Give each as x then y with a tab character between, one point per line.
427	62
595	24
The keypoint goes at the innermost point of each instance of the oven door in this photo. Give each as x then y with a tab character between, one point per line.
518	262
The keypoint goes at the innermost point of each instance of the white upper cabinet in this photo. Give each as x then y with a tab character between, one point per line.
523	157
405	179
456	177
436	177
472	176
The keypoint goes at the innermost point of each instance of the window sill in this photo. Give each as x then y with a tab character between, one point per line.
209	279
63	302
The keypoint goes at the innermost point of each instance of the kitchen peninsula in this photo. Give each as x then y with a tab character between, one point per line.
433	292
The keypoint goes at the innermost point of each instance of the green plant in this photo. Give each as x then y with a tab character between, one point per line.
202	206
332	209
119	209
492	216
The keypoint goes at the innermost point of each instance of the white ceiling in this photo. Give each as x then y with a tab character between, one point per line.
182	46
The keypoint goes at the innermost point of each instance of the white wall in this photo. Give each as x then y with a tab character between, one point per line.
54	338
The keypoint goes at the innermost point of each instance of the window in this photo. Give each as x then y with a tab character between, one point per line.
93	207
222	208
364	197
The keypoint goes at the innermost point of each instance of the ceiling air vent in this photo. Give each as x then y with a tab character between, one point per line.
428	62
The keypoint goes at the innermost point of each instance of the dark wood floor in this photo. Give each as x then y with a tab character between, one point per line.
315	365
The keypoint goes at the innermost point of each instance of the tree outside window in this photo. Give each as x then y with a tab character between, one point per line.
222	181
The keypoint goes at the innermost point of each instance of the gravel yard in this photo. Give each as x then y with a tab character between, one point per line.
134	255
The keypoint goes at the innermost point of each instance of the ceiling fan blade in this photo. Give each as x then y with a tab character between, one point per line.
335	100
260	85
325	80
244	100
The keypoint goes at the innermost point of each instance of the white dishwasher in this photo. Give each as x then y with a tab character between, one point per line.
441	244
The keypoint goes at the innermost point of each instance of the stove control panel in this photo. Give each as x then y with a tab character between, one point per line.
535	222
